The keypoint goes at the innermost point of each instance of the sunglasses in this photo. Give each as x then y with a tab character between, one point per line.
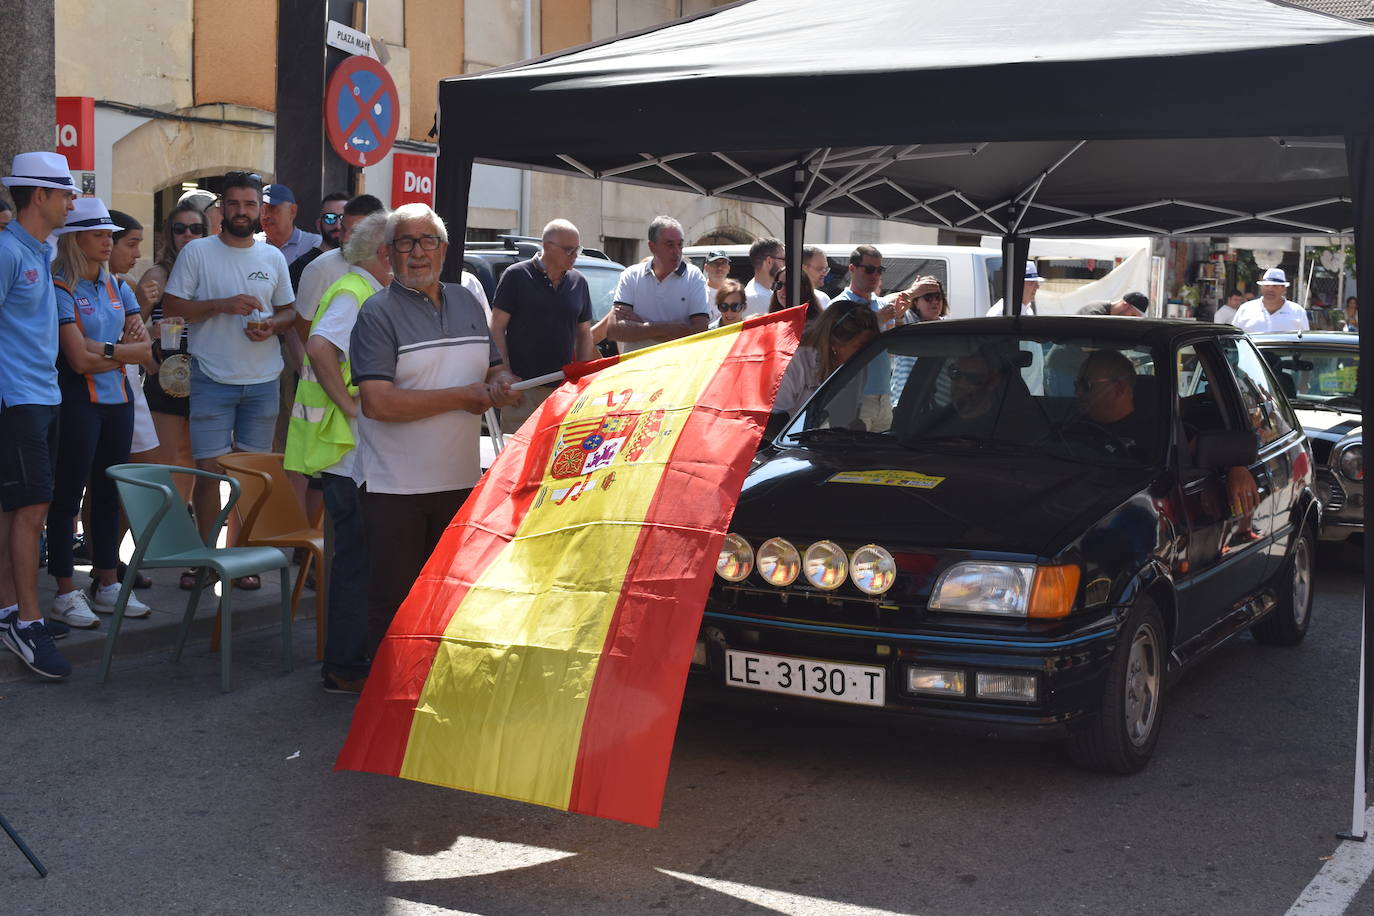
871	269
241	176
929	297
330	219
731	306
780	286
1090	384
183	228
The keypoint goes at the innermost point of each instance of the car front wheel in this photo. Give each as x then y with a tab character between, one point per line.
1287	624
1122	735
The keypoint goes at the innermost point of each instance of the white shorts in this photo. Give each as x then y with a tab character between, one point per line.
145	435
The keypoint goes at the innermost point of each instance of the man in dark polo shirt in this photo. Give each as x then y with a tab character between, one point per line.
541	317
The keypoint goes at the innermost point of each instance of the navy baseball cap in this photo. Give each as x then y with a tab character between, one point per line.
277	194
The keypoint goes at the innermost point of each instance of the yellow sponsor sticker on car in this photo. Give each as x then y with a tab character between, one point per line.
912	479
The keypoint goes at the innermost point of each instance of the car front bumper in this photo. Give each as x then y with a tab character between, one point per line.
1342	505
1069	672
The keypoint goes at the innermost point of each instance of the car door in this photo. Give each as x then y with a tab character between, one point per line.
1223	557
1278	437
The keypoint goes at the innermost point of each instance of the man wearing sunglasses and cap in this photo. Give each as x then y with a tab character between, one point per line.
43	193
1273	311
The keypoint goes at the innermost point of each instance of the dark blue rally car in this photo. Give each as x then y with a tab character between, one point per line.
1019	527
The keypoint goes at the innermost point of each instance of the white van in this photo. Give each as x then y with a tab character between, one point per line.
972	276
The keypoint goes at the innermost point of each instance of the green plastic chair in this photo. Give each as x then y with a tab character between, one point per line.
164	538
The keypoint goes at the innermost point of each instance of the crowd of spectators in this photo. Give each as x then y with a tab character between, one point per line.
344	350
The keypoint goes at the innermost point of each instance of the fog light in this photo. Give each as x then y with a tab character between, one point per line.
1019	687
699	654
935	681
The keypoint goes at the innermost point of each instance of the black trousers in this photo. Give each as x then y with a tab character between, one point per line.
402	531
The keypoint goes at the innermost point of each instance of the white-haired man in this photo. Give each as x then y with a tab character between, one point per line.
660	299
541	317
322	439
426	370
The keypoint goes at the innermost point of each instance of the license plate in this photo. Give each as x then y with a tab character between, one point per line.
802	677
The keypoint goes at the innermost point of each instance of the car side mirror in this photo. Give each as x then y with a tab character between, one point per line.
1224	448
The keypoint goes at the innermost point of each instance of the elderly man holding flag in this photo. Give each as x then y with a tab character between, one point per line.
426	369
542	653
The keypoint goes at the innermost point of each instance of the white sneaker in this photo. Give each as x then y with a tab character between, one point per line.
74	610
105	597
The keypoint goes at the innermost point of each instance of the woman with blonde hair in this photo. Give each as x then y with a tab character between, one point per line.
100	330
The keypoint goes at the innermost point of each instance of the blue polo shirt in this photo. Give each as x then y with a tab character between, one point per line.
98	308
28	321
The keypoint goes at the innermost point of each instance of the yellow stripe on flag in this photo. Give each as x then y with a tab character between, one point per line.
514	673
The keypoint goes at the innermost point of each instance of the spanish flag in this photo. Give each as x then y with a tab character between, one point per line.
542	653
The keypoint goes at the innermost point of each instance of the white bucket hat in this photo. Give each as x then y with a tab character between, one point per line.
40	170
88	213
1274	276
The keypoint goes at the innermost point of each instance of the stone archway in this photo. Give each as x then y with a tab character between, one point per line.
163	152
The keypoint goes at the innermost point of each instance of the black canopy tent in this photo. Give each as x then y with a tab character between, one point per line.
1065	118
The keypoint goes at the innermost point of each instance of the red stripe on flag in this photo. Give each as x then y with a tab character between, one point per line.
381	723
627	736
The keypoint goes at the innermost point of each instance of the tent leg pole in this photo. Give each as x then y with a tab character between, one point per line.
1015	249
794	235
1357	808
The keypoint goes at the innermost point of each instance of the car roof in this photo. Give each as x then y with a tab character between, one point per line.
1319	338
1153	331
831	250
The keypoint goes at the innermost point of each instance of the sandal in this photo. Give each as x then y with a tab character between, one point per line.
140	581
188	580
248	583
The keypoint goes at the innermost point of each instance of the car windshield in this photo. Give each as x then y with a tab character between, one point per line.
1076	398
1316	375
601	283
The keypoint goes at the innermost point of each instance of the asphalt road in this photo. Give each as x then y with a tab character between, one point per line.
157	794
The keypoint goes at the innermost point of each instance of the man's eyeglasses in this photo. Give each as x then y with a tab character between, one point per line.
871	269
571	251
330	219
183	228
406	244
731	306
1089	385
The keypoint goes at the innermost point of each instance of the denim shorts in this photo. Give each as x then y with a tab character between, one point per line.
230	418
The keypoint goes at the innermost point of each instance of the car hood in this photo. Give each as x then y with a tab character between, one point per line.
1004	502
1331	425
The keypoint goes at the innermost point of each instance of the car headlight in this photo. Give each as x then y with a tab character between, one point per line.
779	562
1007	589
1351	462
872	569
736	559
984	588
825	565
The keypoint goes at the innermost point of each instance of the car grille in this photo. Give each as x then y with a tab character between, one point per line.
1331	490
815	606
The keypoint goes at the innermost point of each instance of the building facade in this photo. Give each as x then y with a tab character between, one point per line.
185	90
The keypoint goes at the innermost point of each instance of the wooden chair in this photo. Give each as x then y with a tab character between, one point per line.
274	518
165	536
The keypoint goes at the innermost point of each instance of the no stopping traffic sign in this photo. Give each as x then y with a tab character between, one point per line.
361	111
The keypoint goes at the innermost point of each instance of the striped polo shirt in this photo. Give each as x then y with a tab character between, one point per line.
401	337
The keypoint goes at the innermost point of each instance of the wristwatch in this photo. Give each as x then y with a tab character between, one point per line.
109	350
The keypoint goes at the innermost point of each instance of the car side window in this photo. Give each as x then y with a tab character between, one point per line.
1198	405
1268	412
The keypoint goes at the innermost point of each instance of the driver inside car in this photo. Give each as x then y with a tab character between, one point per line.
1105	387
